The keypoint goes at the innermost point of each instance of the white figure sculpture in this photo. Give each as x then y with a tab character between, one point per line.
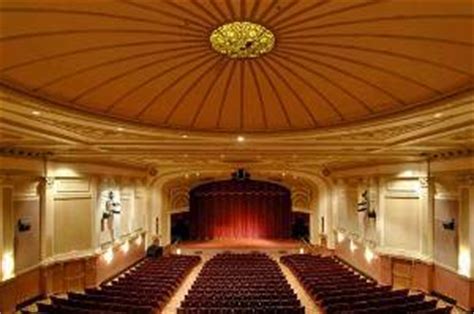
112	207
363	208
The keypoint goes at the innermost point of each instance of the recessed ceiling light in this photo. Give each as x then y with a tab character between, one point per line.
36	113
184	136
240	138
438	115
185	155
186	175
120	129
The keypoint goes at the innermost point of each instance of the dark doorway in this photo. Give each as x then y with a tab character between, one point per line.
300	226
179	227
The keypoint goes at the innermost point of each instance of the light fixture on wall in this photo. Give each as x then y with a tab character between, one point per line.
139	240
340	236
125	247
108	255
352	246
369	254
464	262
301	250
8	266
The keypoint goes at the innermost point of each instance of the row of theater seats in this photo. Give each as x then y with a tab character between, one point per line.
241	283
339	290
144	289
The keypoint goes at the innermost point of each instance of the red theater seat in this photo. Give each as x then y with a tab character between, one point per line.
338	289
145	289
241	283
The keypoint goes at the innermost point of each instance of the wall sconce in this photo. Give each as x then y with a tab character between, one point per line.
139	240
340	237
108	255
352	246
369	254
8	266
464	262
125	247
301	251
178	251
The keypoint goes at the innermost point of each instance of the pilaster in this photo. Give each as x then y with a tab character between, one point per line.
426	198
466	227
46	217
7	231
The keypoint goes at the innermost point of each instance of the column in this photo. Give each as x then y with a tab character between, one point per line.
426	195
329	224
6	229
466	227
380	225
47	217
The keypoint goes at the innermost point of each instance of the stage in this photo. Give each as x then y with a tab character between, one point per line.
240	245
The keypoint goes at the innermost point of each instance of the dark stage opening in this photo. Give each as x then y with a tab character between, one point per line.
236	209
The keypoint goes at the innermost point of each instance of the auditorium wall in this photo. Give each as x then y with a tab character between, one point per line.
50	231
424	226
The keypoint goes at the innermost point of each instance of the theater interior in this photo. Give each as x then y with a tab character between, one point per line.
237	156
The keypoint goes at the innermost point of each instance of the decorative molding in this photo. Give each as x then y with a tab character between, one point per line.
402	188
466	179
425	182
81	185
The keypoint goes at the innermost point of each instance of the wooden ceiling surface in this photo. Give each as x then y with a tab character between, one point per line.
151	62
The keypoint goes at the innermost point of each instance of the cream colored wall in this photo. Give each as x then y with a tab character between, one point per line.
60	201
26	205
411	202
447	206
73	222
402	216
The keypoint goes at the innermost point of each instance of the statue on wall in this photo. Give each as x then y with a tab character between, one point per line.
364	212
112	207
363	208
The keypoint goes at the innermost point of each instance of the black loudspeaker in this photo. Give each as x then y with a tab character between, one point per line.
154	251
449	225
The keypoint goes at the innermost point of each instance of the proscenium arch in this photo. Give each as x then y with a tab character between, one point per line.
320	207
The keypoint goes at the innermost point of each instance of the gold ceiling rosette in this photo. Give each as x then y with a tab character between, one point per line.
242	40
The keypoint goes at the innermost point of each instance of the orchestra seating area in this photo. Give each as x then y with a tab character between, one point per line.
338	289
241	283
144	289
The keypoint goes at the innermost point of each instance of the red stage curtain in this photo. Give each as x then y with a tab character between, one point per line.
240	209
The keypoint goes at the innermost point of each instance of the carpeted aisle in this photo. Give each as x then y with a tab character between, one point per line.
173	304
306	301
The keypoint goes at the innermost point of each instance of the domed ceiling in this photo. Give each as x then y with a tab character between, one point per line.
152	62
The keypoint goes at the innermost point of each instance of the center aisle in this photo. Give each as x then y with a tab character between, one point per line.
303	296
178	297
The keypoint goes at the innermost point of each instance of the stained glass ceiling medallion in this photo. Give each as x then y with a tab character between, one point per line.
242	40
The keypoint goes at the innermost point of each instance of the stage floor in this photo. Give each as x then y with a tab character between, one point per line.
241	244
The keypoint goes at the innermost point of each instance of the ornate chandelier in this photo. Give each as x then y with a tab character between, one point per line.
242	40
